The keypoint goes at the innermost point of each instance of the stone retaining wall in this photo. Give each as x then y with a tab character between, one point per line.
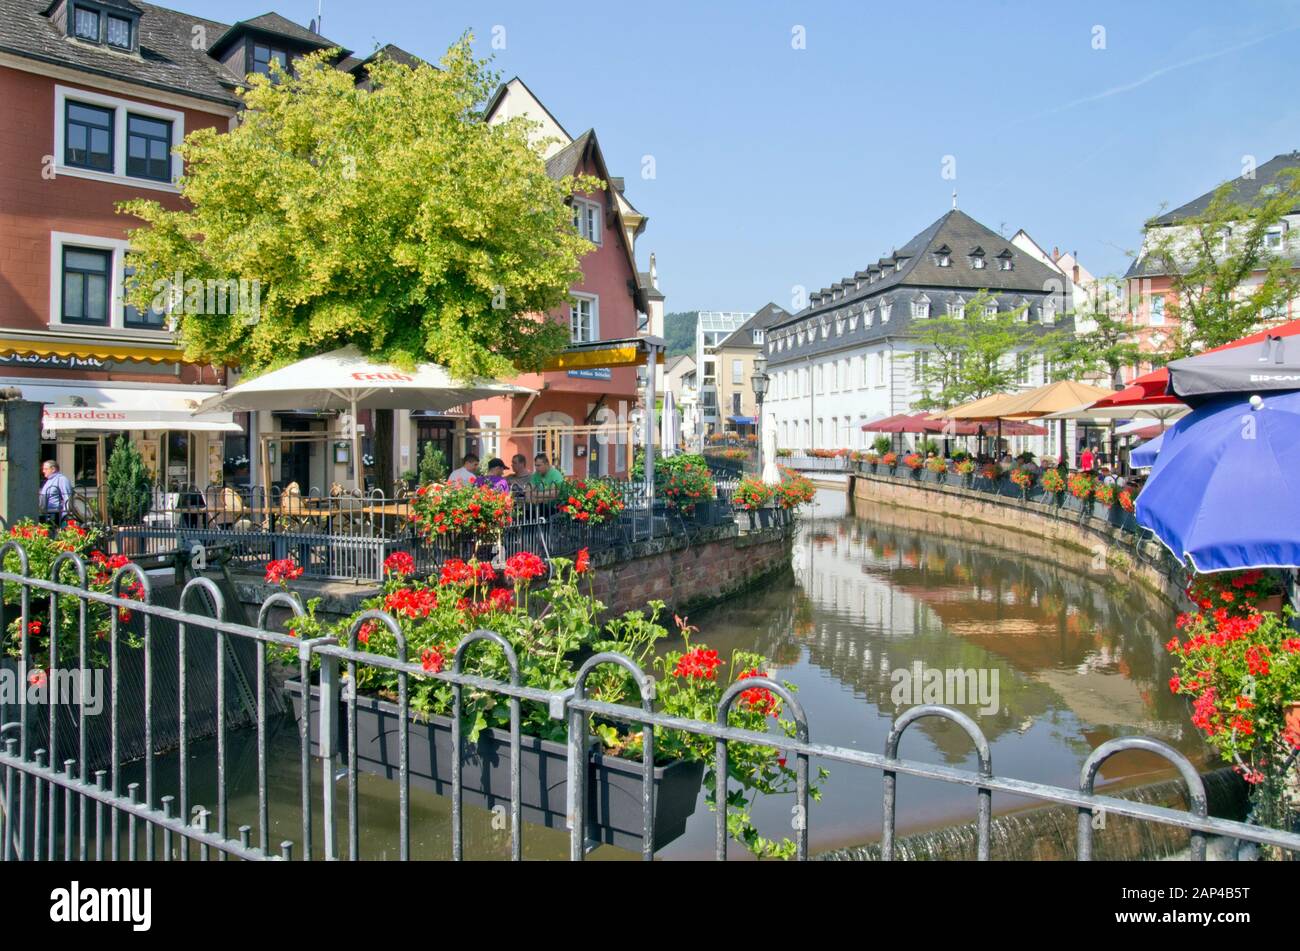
1111	547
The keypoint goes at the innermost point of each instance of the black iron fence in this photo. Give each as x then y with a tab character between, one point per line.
58	807
347	537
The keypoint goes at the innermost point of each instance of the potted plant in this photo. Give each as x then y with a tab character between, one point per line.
914	461
794	491
469	517
937	466
1023	477
1053	482
550	622
589	503
690	489
754	497
889	459
1239	668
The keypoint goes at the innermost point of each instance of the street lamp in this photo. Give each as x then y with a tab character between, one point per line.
759	380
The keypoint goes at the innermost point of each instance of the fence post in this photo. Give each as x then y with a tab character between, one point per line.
327	713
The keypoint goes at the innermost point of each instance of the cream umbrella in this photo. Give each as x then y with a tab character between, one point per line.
344	379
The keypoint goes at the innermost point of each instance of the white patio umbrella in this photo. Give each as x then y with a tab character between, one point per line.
344	379
668	426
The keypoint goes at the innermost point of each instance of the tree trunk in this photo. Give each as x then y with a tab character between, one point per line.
383	446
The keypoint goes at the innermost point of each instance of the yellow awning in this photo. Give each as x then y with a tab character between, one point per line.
607	358
90	350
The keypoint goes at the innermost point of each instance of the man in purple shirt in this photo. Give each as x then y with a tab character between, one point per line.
56	494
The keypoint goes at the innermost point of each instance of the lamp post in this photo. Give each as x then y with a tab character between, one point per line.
759	380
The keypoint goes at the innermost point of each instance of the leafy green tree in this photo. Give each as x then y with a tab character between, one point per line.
128	484
973	355
389	216
1224	279
679	332
1105	349
433	465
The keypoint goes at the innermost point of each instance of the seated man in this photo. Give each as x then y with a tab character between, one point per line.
467	474
545	477
496	476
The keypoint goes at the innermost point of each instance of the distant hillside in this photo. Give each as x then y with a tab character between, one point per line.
679	331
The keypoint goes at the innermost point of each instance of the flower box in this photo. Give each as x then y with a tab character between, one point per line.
614	785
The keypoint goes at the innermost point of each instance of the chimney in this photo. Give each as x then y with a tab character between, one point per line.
1056	253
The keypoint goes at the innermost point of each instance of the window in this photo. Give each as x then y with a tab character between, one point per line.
86	285
1004	263
737	371
757	336
735	404
977	262
263	56
817	378
920	362
957	309
1274	239
119	32
1022	368
106	138
921	307
490	434
88	139
148	148
587	220
583	320
943	260
86	24
885	310
152	319
1049	311
990	311
1157	310
860	371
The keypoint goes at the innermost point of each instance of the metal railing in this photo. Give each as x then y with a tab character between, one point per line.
53	810
347	537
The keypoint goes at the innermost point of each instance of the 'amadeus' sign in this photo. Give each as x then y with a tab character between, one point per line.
52	361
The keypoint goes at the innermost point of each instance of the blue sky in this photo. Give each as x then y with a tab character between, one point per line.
776	166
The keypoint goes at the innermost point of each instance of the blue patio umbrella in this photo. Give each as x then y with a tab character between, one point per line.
1225	489
1144	456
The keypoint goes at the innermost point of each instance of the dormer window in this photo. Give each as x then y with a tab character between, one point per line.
943	260
86	24
117	32
921	307
263	56
1004	261
977	261
94	23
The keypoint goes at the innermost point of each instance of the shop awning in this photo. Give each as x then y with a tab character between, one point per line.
741	420
96	350
116	407
606	354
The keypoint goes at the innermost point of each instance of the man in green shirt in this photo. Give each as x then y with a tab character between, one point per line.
546	477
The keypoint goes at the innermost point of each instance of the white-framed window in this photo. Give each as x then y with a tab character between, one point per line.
87	278
1275	238
737	371
584	318
1004	263
860	371
842	375
110	139
1157	310
943	260
921	307
977	261
880	368
957	309
757	337
1049	311
587	219
491	437
868	316
886	308
817	378
990	310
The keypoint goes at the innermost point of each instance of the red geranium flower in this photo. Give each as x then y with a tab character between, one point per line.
583	564
524	566
399	563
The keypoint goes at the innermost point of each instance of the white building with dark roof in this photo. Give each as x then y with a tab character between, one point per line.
851	356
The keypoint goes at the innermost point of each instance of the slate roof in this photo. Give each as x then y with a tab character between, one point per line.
166	60
647	285
959	234
767	316
566	161
1245	191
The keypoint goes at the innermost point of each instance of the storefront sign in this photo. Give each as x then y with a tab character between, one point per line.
601	374
52	362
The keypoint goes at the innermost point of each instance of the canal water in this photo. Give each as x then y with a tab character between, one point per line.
1074	654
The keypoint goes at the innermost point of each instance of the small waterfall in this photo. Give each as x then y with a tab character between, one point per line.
1049	833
